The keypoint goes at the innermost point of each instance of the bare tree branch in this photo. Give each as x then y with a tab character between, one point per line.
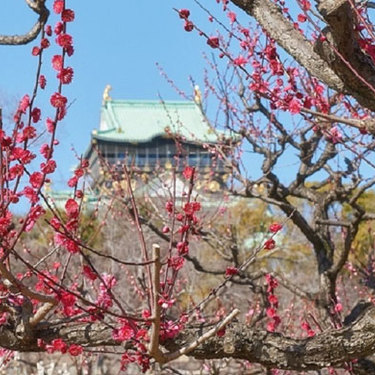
39	7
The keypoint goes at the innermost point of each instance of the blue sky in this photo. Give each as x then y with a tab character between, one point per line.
118	43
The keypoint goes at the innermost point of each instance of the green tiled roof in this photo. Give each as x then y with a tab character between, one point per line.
141	121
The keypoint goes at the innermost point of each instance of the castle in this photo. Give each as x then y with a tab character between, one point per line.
150	136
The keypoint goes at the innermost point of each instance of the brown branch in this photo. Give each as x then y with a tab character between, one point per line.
154	349
38	6
270	17
342	51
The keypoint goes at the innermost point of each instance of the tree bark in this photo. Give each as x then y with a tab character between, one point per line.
273	350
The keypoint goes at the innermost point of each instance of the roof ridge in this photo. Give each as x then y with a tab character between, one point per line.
153	102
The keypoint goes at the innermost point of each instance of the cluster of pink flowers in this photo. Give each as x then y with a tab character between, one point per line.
273	301
59	345
270	244
184	14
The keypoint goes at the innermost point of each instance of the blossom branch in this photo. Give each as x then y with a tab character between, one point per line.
154	348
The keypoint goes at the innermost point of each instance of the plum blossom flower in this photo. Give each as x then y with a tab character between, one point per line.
188	26
270	244
67	15
294	106
240	61
230	271
58	101
75	350
72	208
42	81
65	75
58	6
188	172
184	13
213	42
64	40
275	227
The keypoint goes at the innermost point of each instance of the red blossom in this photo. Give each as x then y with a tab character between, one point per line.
166	303
220	332
306	5
28	133
58	6
35	114
231	271
188	26
57	345
59	27
89	273
44	43
335	136
169	206
179	217
275	227
36	179
240	61
65	75
302	17
232	16
213	42
42	81
294	106
61	112
271	312
71	245
55	223
338	307
15	171
176	262
85	163
45	150
188	209
50	125
184	13
48	167
272	283
67	299
188	172
69	51
272	325
273	300
64	40
58	100
73	181
24	156
196	206
29	193
72	208
306	327
48	30
24	104
124	333
270	244
67	15
35	51
79	194
182	248
75	350
34	214
79	172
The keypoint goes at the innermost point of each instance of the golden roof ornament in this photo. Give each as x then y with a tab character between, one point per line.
106	96
197	95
